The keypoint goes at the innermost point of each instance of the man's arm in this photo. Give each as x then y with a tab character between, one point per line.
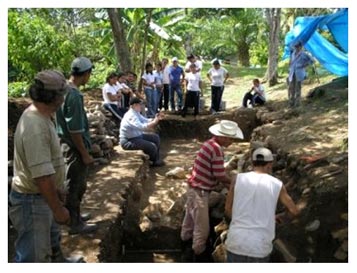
78	142
46	185
288	202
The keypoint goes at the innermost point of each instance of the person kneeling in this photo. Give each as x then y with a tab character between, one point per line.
256	95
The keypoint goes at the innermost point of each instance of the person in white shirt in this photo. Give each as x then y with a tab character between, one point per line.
217	76
150	90
255	95
164	99
125	90
112	96
191	59
193	85
251	205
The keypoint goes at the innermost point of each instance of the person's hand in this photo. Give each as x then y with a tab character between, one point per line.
87	159
61	216
281	218
62	195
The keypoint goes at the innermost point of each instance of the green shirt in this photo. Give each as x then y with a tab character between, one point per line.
37	152
72	118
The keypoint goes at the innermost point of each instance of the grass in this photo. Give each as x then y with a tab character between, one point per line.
240	81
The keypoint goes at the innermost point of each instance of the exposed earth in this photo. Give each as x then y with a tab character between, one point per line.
139	209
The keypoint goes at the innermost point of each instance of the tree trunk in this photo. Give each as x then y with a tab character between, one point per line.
143	56
273	18
243	54
121	45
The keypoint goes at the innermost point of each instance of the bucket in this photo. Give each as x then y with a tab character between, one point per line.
223	106
202	104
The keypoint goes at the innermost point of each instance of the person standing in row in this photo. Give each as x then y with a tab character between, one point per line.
37	190
299	60
150	90
208	170
251	204
73	130
191	59
217	76
193	88
177	76
164	99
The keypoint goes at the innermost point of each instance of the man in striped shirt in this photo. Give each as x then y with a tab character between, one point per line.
208	170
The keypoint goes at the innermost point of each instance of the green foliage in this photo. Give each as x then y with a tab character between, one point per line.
99	75
17	89
35	45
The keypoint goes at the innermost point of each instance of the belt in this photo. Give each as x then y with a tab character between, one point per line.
202	191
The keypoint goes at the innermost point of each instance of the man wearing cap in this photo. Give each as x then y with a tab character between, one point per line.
36	203
208	170
133	136
73	130
177	76
299	60
251	204
217	76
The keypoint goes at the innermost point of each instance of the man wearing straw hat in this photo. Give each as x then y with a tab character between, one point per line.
208	170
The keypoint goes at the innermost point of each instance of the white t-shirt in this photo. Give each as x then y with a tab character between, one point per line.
260	88
111	89
193	81
252	228
197	63
217	75
149	78
166	75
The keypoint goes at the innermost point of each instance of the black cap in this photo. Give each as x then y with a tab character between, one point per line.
216	62
134	100
190	56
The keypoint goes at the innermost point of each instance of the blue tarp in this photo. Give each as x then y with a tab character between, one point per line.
305	29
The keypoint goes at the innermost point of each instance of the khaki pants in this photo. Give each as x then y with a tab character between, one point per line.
196	222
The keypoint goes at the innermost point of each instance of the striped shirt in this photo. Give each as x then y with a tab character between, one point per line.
208	166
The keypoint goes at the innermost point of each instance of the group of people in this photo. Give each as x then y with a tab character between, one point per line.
163	85
52	156
51	159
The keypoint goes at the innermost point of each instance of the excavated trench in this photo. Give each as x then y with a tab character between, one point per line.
153	236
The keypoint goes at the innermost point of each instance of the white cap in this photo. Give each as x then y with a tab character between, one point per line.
263	155
174	59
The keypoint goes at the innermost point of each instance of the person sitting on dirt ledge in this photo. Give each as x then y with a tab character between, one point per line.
208	170
251	204
256	95
133	136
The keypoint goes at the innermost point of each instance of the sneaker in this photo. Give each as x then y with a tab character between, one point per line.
83	228
85	216
158	163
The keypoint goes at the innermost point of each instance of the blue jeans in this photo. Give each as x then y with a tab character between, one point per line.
151	101
148	143
235	258
37	232
177	88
